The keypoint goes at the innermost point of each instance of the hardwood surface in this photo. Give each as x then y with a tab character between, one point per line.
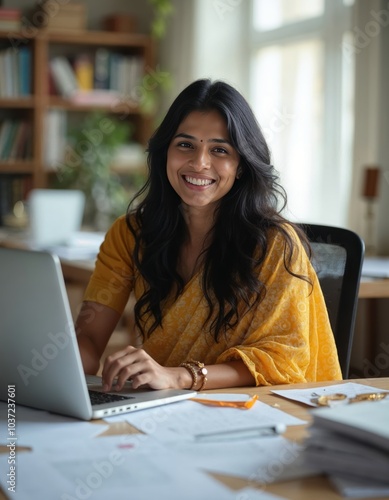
374	289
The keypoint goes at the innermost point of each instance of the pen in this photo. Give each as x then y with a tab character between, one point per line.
252	432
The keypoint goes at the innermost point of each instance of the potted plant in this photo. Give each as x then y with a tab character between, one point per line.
92	144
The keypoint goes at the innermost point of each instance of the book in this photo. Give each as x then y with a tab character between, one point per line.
11	129
10	25
63	76
10	14
101	74
10	19
83	69
69	17
24	60
3	134
7	85
56	133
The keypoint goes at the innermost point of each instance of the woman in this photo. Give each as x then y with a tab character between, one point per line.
225	292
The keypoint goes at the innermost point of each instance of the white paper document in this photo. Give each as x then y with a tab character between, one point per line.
350	443
262	460
309	396
375	267
187	419
119	467
353	487
35	428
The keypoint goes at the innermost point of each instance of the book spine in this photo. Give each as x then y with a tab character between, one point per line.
101	77
4	197
55	126
10	14
24	60
83	69
7	67
63	76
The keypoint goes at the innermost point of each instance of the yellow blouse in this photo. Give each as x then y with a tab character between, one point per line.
286	338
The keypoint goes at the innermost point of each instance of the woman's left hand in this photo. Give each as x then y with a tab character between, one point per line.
136	365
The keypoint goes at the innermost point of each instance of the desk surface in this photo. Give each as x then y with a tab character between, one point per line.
374	288
317	488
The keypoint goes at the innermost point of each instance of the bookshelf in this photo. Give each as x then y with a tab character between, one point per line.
27	168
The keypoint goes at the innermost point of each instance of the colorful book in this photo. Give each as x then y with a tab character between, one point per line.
24	62
83	69
63	75
101	77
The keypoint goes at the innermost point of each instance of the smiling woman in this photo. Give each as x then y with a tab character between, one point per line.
225	292
201	161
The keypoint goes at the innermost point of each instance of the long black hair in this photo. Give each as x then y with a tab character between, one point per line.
243	219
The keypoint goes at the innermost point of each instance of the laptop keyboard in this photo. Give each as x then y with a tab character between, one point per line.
101	398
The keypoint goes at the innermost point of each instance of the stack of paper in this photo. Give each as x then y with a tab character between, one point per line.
351	443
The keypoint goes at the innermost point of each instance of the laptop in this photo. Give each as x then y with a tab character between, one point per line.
39	353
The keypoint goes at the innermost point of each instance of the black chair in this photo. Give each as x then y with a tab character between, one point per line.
337	256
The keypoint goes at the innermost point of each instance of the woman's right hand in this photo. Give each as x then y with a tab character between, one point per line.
136	365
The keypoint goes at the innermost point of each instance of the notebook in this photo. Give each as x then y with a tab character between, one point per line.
39	353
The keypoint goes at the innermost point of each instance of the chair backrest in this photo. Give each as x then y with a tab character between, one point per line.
337	256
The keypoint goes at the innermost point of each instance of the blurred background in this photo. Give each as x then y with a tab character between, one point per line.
316	73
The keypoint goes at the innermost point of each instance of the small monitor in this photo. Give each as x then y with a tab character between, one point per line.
55	215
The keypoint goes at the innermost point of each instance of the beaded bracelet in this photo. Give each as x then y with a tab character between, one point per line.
196	369
202	371
192	372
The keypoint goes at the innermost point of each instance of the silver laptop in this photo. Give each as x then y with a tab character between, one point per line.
39	353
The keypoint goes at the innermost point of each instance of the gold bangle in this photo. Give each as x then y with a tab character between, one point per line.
201	371
192	372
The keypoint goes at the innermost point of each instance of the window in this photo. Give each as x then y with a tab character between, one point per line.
302	93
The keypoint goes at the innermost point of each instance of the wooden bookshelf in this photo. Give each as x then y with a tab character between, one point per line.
34	107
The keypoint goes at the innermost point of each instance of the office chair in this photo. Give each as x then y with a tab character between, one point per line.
337	256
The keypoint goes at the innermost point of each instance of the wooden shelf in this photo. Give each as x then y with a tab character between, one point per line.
34	108
88	37
98	38
18	103
116	106
17	167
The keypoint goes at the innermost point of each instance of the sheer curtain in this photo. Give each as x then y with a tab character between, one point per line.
302	94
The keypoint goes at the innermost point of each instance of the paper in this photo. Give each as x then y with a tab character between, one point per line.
261	460
133	467
367	422
351	443
309	396
357	488
81	246
334	452
186	419
375	267
35	428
